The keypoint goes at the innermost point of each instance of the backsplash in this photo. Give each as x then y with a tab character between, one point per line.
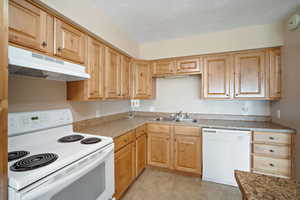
31	94
183	93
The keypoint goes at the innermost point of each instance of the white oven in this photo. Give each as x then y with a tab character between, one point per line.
89	178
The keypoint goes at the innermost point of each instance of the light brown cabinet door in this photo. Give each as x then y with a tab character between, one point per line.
124	74
70	43
216	79
95	84
275	73
124	169
30	26
188	154
188	65
250	70
142	81
159	150
161	68
112	67
141	153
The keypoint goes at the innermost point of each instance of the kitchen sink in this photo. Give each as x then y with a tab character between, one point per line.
169	119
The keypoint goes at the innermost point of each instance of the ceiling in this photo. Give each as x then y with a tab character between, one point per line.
154	20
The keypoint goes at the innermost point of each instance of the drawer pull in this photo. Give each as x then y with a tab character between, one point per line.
271	150
271	138
271	165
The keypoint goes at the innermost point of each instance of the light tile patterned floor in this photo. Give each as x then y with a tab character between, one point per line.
158	185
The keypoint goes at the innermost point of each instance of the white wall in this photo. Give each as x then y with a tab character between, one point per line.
30	94
87	15
184	94
231	40
289	106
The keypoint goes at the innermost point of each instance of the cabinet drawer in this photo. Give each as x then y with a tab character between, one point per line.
140	131
268	137
159	128
123	140
187	130
280	167
273	151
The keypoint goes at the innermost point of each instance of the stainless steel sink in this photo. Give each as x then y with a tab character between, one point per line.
169	119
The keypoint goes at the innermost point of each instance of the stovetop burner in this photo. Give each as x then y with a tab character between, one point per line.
34	162
91	140
14	155
70	138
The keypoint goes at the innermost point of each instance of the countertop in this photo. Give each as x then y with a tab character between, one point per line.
118	127
262	187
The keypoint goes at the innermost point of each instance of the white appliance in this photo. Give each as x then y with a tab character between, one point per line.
223	152
27	63
78	170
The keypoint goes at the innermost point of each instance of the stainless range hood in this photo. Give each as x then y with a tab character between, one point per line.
26	63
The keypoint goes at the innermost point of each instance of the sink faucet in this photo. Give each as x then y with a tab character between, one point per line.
179	115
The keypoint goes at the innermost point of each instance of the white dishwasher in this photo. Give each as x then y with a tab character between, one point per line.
223	152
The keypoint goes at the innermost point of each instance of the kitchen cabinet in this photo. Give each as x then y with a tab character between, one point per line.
112	77
250	70
175	147
275	73
159	150
70	43
125	77
217	76
124	169
163	67
141	153
188	65
187	154
30	26
93	88
143	86
273	154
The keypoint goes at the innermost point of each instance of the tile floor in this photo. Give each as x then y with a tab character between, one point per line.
158	185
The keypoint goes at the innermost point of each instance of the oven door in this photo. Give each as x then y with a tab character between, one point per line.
91	178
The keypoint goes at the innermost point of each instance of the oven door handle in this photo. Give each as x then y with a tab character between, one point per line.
70	174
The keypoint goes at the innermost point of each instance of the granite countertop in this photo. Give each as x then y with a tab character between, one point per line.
115	128
262	187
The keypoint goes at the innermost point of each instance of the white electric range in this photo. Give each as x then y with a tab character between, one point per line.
51	162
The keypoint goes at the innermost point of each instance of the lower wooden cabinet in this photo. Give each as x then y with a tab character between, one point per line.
141	154
124	169
175	147
159	150
187	154
272	154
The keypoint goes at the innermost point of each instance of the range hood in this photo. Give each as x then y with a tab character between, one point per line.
27	63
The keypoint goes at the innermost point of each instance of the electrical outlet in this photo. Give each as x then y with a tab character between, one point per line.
278	114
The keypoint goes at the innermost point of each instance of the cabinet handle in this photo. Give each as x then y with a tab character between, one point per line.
271	138
236	94
44	44
271	165
59	49
271	150
227	95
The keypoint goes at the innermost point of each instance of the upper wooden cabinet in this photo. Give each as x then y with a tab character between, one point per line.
163	67
92	88
70	43
169	67
275	73
30	27
250	70
125	77
96	52
188	65
217	76
112	75
143	86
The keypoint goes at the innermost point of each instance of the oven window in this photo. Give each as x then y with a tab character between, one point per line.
88	187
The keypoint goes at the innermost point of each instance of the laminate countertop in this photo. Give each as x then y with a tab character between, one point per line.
262	187
116	128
